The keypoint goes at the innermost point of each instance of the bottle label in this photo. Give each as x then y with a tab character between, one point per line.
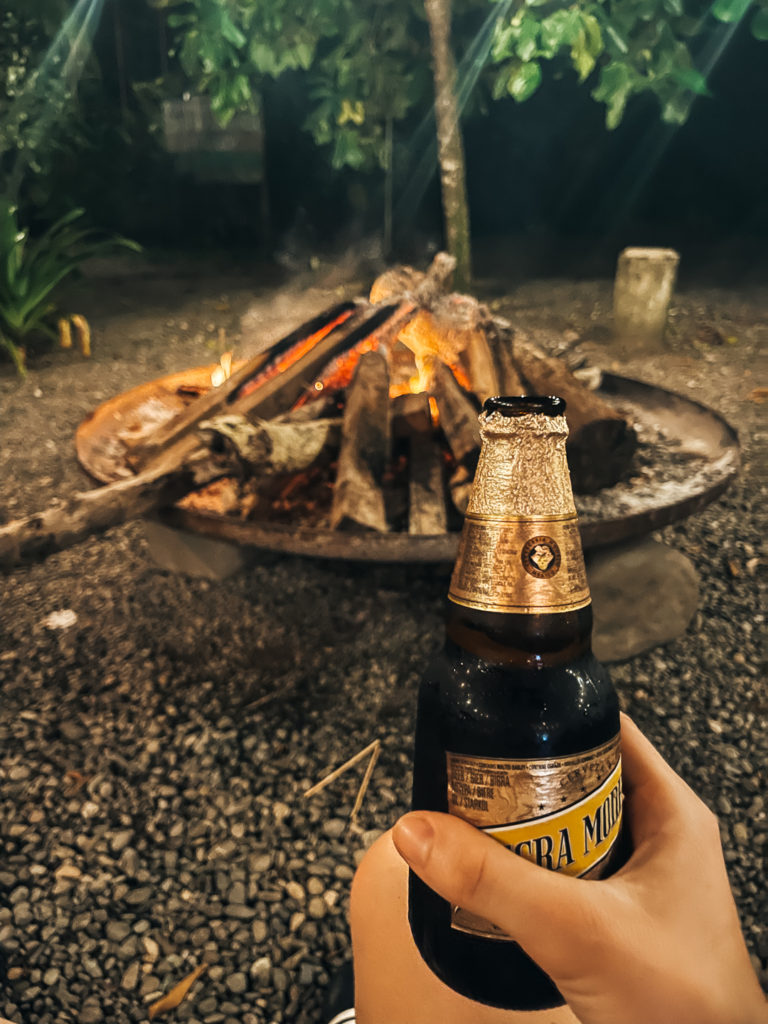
563	813
528	565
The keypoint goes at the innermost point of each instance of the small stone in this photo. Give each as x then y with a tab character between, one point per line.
724	805
316	908
260	862
236	893
259	931
240	911
334	828
90	1013
261	970
741	833
51	976
22	915
295	891
118	931
131	978
237	983
137	897
280	810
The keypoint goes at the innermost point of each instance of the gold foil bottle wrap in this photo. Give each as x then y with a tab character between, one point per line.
520	548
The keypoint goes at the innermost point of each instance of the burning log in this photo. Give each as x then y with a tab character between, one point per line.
427	514
510	381
601	442
358	500
458	414
225	394
223	448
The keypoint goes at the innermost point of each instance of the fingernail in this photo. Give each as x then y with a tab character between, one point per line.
413	837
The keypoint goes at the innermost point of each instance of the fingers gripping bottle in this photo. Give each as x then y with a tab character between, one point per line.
517	724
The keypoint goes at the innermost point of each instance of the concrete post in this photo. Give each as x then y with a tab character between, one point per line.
642	291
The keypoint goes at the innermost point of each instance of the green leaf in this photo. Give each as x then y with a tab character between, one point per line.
614	89
759	25
676	109
524	81
693	80
730	11
582	59
527	42
559	29
591	26
504	42
304	54
673	7
231	32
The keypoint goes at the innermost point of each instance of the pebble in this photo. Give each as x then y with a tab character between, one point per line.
237	983
316	908
130	979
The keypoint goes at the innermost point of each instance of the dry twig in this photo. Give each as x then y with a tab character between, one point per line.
372	751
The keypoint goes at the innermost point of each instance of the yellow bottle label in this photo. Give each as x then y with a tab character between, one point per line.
529	565
561	813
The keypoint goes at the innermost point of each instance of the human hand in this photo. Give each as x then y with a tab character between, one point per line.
659	942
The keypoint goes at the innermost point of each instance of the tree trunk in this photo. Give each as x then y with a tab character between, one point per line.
450	149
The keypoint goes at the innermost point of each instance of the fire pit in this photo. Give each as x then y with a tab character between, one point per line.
400	379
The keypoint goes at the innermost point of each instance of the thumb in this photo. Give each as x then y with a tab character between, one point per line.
543	911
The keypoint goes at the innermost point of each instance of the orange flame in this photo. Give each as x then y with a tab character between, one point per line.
223	371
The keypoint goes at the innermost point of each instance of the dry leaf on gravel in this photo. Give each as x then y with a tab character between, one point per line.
177	994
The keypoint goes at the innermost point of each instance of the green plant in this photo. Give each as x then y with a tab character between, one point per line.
30	272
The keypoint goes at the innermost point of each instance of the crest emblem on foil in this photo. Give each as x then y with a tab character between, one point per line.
541	557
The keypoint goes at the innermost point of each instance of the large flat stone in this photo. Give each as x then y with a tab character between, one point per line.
643	594
192	554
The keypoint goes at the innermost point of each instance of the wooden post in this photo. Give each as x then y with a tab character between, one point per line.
642	291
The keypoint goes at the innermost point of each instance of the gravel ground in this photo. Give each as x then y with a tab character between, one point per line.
151	809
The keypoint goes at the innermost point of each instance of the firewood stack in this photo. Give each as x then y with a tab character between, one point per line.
364	418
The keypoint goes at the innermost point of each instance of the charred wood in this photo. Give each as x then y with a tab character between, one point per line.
427	514
458	414
601	441
358	500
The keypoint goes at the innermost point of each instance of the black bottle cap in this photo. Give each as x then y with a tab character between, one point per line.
524	405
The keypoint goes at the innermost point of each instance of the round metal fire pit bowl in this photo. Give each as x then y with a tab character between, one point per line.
688	456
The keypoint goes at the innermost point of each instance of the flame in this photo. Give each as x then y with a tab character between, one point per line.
223	371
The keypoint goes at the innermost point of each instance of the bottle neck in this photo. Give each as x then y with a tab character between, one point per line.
520	550
516	640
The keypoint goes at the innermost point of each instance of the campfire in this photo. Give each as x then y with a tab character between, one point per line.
378	401
356	436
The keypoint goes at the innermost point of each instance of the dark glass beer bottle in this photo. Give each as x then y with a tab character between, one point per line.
518	724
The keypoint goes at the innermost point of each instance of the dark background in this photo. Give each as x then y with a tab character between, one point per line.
546	172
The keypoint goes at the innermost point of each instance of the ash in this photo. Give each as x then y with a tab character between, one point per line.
154	749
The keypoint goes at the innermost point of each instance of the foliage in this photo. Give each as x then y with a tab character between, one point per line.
30	272
363	63
42	54
631	46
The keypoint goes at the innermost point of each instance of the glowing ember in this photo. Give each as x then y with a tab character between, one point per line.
338	375
294	354
223	371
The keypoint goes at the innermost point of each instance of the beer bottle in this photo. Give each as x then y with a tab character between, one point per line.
518	724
